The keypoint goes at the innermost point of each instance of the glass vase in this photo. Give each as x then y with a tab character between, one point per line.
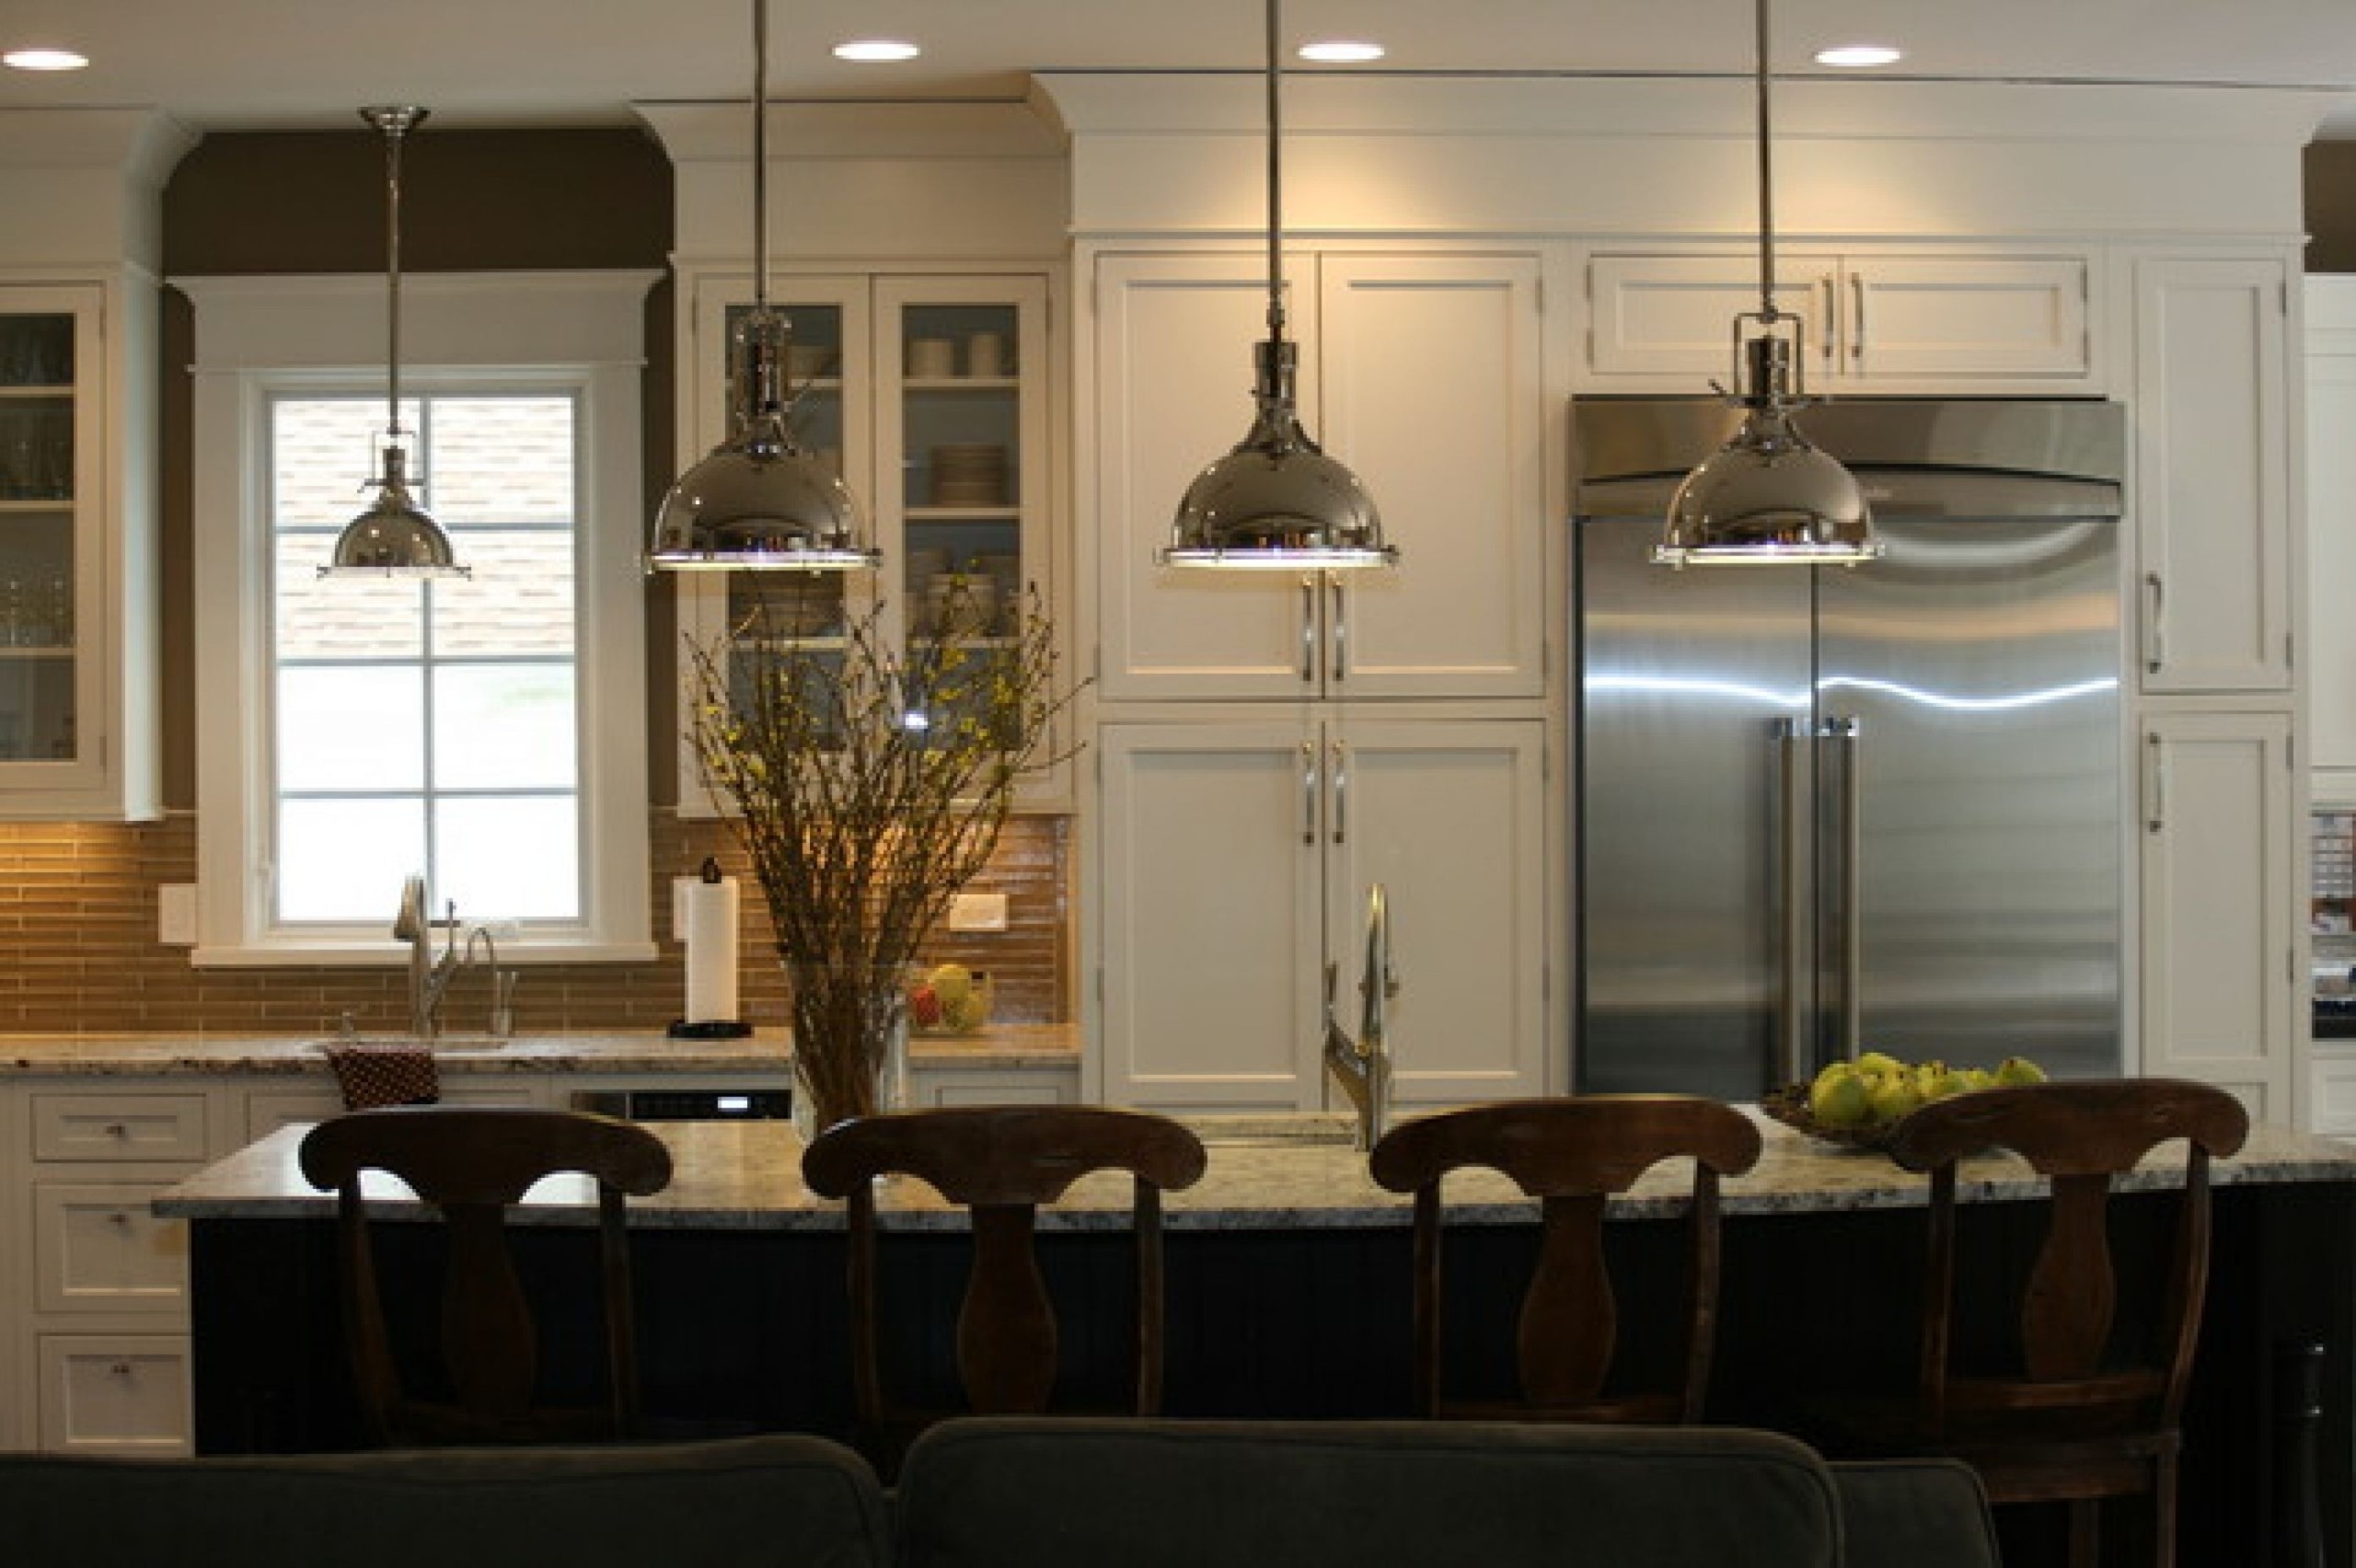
850	1045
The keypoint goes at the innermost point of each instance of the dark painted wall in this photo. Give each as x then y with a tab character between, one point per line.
2331	206
470	202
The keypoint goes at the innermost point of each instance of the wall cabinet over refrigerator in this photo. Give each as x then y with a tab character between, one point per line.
1422	373
1236	860
1873	322
77	613
929	394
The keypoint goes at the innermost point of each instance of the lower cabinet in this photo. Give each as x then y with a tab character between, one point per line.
2220	978
1234	869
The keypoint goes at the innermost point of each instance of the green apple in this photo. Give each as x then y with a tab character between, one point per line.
953	983
2015	1071
1845	1099
1880	1062
1895	1096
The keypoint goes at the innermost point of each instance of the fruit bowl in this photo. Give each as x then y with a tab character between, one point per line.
951	1000
1789	1106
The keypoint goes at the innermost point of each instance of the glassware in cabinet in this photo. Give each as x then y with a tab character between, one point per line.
40	517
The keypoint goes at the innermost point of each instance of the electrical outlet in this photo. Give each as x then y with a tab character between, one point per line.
978	912
176	914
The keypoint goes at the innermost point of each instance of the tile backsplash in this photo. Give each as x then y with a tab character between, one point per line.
79	954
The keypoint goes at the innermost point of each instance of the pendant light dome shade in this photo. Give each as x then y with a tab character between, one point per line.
1277	502
395	537
1768	497
759	502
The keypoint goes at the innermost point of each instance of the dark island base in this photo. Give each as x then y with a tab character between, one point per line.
746	1329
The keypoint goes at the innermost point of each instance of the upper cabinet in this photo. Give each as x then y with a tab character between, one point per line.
1878	322
2331	534
77	613
1424	372
2212	473
930	395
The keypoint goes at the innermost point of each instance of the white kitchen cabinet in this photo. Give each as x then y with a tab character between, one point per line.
2220	968
930	394
2330	574
1425	374
78	733
1237	859
1873	321
2212	473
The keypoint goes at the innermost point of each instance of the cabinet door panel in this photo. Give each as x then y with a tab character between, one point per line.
2217	879
1962	320
1449	818
1211	917
1173	361
2212	497
2332	528
1435	394
1667	321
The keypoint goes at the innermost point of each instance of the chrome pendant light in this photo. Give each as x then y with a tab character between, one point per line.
396	537
1767	496
1277	502
759	502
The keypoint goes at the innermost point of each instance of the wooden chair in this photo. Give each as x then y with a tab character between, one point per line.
2076	1417
1573	1155
1002	1163
471	1163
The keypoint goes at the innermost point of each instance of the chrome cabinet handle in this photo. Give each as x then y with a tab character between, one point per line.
2156	784
1857	299
1309	628
1825	334
121	1369
1307	792
1340	630
1791	1046
1340	755
2155	623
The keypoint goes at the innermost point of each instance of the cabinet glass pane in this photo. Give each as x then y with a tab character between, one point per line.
37	516
961	464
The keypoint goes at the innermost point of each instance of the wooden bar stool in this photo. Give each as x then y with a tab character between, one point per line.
1573	1155
1002	1163
2078	1411
471	1163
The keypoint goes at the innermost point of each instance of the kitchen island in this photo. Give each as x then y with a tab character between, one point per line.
1288	1289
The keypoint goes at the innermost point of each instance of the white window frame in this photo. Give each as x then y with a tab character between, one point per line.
257	337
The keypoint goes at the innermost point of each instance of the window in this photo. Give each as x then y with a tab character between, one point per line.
487	733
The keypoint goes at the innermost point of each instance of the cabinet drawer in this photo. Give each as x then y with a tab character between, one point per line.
97	1248
115	1393
119	1126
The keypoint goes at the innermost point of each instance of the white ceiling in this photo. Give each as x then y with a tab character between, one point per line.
276	64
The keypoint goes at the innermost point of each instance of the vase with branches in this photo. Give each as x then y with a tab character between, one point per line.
869	783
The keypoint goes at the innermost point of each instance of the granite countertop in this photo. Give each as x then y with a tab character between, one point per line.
1299	1174
643	1051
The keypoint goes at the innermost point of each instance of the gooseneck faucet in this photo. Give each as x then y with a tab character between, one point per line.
429	976
1363	1066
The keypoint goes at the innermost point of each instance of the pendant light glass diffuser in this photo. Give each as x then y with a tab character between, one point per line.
396	537
1767	496
759	502
1277	502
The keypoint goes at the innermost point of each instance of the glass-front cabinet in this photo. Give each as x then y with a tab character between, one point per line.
52	509
930	395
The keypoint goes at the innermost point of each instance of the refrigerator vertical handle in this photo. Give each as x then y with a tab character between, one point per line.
1791	1041
1341	761
1844	739
1309	793
2155	623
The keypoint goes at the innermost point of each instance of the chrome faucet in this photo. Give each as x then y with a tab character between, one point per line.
428	978
1363	1066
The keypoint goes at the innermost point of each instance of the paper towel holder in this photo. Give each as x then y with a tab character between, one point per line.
712	1028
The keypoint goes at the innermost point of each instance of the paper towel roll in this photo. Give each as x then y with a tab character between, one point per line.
710	927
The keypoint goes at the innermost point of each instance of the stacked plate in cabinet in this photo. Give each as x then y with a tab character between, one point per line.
969	474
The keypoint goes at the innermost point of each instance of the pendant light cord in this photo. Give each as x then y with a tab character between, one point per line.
760	155
396	127
1766	182
1276	184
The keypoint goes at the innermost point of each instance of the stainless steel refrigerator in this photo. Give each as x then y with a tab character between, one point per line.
1823	809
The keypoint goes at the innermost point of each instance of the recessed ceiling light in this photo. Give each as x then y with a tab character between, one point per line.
44	60
870	50
1341	52
1858	56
